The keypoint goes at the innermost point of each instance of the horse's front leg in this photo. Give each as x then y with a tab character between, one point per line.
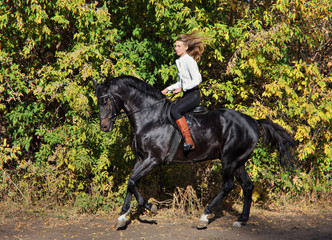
141	168
122	220
140	200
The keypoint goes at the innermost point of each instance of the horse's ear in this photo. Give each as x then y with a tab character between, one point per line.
95	83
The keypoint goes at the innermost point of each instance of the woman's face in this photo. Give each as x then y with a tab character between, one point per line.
180	48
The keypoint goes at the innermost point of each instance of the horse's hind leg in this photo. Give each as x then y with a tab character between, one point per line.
227	186
233	161
140	169
247	187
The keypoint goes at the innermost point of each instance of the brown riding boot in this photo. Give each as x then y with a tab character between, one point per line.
183	125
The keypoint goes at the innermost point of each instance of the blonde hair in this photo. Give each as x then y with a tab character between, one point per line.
194	43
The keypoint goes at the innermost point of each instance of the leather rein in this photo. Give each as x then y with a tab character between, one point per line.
116	116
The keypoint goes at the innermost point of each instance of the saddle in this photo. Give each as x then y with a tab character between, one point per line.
190	118
189	115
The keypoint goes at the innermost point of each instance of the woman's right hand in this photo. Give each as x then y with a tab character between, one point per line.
165	91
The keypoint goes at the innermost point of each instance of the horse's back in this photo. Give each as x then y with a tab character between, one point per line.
225	118
218	131
239	124
235	117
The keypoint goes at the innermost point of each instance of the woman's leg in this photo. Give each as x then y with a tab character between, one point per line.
187	103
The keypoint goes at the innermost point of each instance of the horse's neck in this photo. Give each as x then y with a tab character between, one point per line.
141	108
146	112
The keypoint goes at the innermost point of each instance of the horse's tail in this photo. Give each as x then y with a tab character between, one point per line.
280	138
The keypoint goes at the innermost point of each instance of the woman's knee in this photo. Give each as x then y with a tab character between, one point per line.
175	113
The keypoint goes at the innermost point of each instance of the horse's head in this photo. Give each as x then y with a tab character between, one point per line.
107	107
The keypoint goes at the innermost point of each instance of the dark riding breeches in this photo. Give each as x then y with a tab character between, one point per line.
188	102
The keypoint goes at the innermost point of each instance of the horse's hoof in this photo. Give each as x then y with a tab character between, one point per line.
122	221
239	224
122	224
203	222
202	225
154	209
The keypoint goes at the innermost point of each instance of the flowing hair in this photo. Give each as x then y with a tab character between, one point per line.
194	43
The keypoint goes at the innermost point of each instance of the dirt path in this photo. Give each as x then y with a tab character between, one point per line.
263	224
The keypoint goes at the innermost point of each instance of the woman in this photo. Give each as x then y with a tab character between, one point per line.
189	48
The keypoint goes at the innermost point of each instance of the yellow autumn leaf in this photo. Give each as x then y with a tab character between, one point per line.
71	167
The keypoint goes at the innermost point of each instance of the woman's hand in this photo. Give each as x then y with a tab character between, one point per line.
177	90
165	91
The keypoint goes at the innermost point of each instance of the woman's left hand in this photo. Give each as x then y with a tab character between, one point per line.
165	91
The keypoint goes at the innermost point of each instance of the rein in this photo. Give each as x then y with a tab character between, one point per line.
115	116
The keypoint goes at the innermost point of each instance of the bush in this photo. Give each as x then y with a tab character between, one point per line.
263	58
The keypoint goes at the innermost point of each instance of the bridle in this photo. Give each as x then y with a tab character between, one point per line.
115	113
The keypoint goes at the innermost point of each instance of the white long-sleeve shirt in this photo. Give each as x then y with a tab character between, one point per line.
188	74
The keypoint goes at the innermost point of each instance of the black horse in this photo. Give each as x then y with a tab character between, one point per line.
222	134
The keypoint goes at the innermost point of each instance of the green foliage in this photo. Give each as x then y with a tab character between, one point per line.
264	58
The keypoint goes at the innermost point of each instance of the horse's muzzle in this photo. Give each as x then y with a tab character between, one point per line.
106	125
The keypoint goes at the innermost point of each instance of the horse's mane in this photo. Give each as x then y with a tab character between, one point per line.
133	82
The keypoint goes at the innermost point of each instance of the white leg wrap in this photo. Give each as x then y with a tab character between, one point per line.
237	224
123	217
204	217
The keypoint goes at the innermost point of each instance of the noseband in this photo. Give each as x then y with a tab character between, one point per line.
115	115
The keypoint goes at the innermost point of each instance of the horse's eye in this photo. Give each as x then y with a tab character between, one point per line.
102	101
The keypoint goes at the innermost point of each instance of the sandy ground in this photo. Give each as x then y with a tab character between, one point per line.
271	224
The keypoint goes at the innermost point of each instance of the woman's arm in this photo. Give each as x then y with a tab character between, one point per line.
195	75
